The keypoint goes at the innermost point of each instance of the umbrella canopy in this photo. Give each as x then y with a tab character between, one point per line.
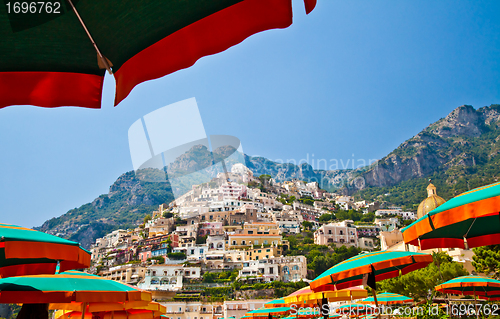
108	306
275	303
354	309
382	264
25	251
388	298
124	314
471	219
306	296
308	313
67	287
471	285
265	312
56	54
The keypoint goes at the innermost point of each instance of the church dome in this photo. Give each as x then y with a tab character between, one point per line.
431	202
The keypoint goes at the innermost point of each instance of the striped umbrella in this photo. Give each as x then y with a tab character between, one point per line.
25	251
307	297
94	307
381	265
308	313
123	314
388	298
275	303
355	309
471	286
58	56
67	287
369	268
269	312
471	219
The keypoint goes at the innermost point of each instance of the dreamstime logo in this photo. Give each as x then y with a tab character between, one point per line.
170	144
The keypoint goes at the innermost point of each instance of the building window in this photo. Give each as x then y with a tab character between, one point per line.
342	232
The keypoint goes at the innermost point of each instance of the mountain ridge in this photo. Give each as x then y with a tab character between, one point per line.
459	151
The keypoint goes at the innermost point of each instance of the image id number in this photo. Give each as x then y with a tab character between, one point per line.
33	7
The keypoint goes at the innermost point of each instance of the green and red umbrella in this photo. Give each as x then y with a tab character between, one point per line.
122	314
67	287
470	285
354	309
276	303
57	55
471	219
308	313
388	298
24	251
306	297
381	265
269	312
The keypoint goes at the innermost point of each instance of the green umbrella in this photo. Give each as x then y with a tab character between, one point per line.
388	298
269	312
469	220
55	53
66	287
471	286
354	309
24	251
381	265
368	268
275	303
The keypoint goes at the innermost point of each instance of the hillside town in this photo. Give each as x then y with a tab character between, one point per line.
242	225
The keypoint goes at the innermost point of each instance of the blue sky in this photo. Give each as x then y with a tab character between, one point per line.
354	79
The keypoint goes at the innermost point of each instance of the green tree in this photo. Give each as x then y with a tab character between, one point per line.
486	260
168	215
292	240
147	218
200	240
326	217
308	201
307	224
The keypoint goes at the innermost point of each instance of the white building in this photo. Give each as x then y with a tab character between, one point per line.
196	252
342	233
168	277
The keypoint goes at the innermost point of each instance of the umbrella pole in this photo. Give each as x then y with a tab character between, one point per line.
357	312
475	303
101	57
376	302
84	307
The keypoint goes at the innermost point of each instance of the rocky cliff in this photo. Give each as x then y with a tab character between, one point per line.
463	138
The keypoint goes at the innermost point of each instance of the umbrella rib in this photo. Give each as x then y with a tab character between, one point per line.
103	59
468	230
